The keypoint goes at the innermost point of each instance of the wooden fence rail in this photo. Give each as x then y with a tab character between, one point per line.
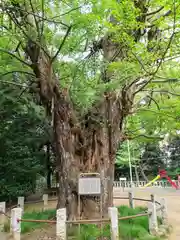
62	222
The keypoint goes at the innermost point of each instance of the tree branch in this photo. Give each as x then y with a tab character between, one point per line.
43	13
154	12
164	91
166	14
158	113
161	61
16	22
154	101
167	80
35	15
13	83
139	61
146	136
18	71
165	52
62	44
74	9
36	22
14	56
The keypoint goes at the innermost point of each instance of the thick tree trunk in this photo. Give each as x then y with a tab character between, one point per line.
68	181
81	145
89	147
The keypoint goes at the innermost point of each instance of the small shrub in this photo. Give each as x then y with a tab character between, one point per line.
43	215
140	221
93	232
30	226
131	231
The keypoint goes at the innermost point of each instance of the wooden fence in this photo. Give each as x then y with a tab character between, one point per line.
154	207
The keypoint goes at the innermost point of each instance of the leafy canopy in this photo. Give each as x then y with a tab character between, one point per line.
89	22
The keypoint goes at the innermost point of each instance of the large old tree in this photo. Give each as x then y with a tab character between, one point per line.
90	65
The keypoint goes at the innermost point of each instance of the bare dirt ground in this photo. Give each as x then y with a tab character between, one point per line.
173	203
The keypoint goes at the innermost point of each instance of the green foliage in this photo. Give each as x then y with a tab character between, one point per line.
89	232
173	172
43	215
136	222
22	132
90	22
82	75
124	152
174	149
152	159
136	228
34	215
172	155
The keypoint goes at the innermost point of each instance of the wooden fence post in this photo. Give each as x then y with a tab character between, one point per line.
153	223
21	202
2	216
61	224
113	214
164	214
131	202
152	198
16	213
45	199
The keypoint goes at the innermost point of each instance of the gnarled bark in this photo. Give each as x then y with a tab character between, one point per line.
81	145
91	148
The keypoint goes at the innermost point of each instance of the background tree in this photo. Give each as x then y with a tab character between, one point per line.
22	134
152	160
122	160
174	149
171	153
